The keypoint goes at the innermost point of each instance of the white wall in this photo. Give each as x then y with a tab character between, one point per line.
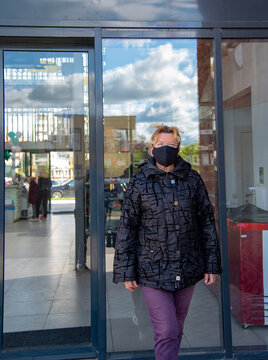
252	75
235	121
260	151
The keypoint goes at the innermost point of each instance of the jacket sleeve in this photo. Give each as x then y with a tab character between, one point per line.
207	230
126	241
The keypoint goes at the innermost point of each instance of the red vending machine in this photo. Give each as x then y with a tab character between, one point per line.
248	265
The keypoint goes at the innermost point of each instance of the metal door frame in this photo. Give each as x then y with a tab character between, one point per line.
33	44
98	291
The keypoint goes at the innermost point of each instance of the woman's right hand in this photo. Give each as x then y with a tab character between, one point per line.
130	285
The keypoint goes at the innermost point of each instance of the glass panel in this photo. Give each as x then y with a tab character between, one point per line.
148	82
47	253
245	96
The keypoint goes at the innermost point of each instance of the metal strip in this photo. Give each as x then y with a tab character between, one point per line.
45	48
49	171
100	196
158	33
93	199
255	355
93	23
225	291
265	271
149	355
97	200
46	31
82	352
2	195
244	33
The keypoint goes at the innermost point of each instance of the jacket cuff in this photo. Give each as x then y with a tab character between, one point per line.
129	275
213	269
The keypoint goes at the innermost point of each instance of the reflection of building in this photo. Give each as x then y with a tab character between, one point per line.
61	165
207	134
118	144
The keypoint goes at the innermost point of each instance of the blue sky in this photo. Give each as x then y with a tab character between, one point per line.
119	52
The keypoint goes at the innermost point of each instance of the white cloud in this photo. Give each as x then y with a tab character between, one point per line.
160	88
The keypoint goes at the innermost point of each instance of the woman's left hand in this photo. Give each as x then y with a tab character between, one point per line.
210	278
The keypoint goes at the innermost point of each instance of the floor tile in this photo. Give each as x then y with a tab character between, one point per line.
14	308
57	321
24	323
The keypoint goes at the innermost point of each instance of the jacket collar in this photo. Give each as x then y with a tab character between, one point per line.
180	170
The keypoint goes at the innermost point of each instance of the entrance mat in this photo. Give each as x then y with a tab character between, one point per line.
67	336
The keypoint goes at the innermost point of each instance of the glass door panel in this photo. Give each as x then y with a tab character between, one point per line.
150	82
63	184
245	96
47	254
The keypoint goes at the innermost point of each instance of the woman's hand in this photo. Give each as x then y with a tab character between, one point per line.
130	285
210	278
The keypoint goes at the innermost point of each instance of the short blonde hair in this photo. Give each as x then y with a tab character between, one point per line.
164	129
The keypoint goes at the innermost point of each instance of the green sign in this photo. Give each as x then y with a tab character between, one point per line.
261	175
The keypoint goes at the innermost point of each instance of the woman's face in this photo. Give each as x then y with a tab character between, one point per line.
163	140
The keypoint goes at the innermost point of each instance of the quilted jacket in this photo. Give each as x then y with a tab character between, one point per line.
166	238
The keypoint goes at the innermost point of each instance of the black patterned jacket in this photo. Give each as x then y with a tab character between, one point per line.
166	237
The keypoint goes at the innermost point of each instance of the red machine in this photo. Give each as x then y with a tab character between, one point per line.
248	266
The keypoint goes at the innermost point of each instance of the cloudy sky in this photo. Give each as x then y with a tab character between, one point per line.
63	88
154	80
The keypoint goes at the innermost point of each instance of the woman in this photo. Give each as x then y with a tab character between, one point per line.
33	197
44	185
166	240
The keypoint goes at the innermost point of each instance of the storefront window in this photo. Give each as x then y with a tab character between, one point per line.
150	82
47	229
245	96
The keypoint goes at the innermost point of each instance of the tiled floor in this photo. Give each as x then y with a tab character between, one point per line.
44	291
42	288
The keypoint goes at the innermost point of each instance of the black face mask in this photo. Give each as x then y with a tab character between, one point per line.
165	155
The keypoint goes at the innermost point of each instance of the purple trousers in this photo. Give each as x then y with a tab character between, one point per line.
167	312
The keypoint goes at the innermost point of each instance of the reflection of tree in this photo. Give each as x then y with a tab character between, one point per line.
140	154
190	153
141	138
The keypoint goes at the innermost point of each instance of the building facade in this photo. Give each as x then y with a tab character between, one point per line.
83	83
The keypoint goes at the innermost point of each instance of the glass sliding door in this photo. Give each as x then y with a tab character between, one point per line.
245	99
47	237
149	82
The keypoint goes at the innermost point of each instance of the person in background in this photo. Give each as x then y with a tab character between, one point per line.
166	240
26	183
44	185
33	197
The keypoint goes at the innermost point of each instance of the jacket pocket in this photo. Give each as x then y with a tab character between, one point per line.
150	271
152	254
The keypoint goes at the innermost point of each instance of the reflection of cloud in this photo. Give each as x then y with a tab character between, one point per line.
127	43
139	9
136	43
159	89
52	92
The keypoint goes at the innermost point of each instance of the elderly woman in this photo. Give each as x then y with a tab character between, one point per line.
166	240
